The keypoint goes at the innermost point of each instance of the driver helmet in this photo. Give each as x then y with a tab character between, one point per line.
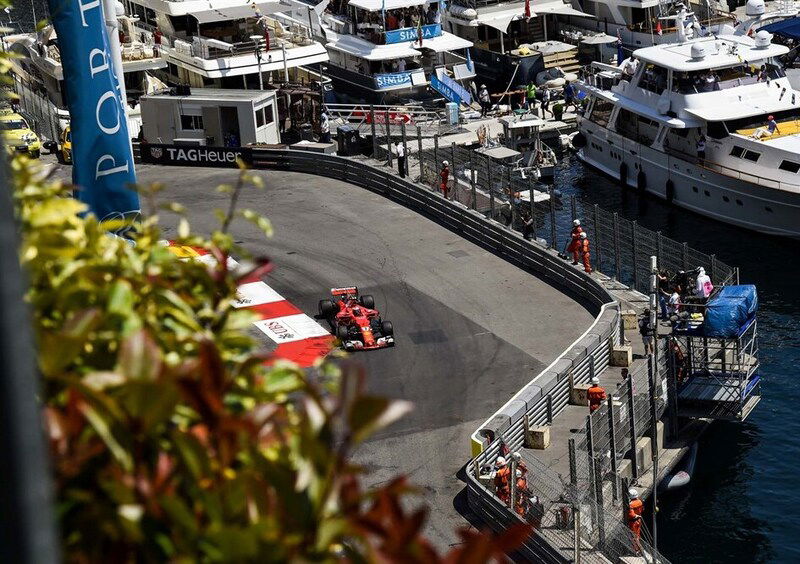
583	235
445	163
356	311
576	222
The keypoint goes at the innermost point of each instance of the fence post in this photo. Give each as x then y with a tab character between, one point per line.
736	272
405	145
659	249
617	262
598	252
590	452
454	171
533	209
553	234
672	392
513	480
388	138
510	193
592	373
489	187
374	133
634	246
436	152
419	154
685	256
654	443
577	526
714	269
601	518
472	174
573	462
573	207
613	434
549	400
632	424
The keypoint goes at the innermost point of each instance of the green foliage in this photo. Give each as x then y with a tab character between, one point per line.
172	440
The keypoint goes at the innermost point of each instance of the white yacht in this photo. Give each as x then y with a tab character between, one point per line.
646	122
39	76
388	51
226	43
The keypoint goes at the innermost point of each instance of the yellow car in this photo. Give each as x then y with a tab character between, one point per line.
65	147
17	135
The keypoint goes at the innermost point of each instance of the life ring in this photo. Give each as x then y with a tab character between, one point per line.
670	191
579	140
641	181
623	174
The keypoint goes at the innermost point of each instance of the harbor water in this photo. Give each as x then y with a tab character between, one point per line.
743	499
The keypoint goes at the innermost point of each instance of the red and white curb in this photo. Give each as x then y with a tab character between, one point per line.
299	337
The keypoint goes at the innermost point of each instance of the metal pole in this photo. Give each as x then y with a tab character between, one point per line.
617	261
573	462
491	192
590	449
419	153
632	424
672	393
26	513
436	163
405	146
714	277
472	174
533	209
659	247
553	234
285	64
513	500
510	193
549	400
635	246
601	527
374	133
573	207
686	256
577	525
655	446
613	434
453	170
598	252
388	139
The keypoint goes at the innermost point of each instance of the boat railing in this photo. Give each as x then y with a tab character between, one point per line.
732	172
364	117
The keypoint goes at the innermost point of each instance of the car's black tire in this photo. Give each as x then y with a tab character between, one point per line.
387	328
368	302
326	308
342	332
36	154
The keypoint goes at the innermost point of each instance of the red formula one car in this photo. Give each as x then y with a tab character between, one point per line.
355	321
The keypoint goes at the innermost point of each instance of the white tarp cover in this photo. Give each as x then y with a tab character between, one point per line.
556	7
237	12
378	5
371	52
501	19
444	42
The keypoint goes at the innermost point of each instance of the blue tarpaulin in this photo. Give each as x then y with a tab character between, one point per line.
786	28
730	310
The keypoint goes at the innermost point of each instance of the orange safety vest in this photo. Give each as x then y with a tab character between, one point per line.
635	510
584	246
501	478
445	175
596	396
576	239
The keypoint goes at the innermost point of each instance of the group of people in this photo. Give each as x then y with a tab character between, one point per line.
533	98
579	246
526	505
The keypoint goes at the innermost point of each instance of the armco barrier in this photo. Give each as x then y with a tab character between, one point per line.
589	353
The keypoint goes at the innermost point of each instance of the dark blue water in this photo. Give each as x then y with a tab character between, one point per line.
744	501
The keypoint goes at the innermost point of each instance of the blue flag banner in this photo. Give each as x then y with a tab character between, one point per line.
410	33
101	150
444	90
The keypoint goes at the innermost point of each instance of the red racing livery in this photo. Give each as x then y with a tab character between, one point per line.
355	321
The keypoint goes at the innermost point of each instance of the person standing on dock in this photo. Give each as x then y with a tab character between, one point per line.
575	242
444	177
530	96
485	100
647	332
569	96
527	225
400	150
597	395
545	100
634	517
325	128
701	148
585	254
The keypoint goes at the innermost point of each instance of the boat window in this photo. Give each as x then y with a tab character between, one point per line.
191	122
654	79
751	156
737	152
789	166
742	153
601	112
637	128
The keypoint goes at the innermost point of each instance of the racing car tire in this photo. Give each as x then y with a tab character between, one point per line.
326	308
368	302
342	332
386	328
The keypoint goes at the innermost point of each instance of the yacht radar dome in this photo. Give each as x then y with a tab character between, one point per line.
698	51
763	39
755	8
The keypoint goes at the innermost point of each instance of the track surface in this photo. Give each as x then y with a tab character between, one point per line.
470	328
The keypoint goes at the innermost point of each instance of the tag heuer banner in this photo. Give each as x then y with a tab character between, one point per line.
101	151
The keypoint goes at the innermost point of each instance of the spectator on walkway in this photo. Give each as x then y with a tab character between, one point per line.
530	96
400	151
674	302
569	96
325	128
485	100
545	101
527	225
444	177
647	331
664	292
703	287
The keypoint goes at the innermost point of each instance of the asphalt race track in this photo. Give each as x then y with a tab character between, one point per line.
470	328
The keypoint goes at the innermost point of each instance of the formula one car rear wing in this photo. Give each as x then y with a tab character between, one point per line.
346	291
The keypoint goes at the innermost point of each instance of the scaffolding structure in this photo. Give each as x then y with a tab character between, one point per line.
719	377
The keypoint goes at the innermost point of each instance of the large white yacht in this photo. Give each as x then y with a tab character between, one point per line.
646	122
387	51
226	43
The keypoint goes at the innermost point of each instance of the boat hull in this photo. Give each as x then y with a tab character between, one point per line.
729	199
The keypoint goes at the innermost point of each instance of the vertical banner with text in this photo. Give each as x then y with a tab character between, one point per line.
103	166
